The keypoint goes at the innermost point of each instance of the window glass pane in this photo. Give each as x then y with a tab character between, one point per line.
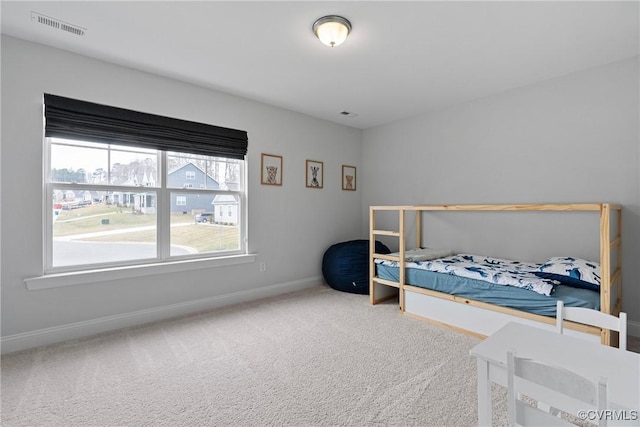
227	172
204	172
195	227
78	143
93	226
134	168
73	164
189	171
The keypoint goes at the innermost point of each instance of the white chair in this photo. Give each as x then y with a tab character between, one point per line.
563	390
588	316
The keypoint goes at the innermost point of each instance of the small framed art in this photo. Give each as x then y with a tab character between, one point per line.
271	169
314	174
348	178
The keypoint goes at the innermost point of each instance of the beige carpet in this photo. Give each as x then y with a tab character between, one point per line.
314	357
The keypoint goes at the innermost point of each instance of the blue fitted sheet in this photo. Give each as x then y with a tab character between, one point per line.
505	296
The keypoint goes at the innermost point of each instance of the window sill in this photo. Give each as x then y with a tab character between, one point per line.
92	276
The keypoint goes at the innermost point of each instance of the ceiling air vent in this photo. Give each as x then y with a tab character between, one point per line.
57	24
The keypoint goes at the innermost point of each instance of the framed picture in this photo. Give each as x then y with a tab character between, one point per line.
348	178
314	173
271	169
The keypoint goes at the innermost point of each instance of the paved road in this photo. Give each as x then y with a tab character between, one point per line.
68	250
68	253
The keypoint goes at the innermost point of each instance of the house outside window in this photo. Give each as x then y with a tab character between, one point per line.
227	206
190	175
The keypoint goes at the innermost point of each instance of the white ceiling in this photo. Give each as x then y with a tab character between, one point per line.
401	59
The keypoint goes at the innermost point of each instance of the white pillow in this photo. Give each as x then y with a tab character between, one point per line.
573	268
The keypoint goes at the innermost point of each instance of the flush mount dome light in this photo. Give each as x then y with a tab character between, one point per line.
332	30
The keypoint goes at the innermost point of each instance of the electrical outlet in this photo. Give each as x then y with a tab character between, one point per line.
263	266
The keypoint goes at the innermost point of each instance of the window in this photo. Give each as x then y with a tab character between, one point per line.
115	204
108	205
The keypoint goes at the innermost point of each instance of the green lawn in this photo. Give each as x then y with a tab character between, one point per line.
200	237
89	219
206	238
184	231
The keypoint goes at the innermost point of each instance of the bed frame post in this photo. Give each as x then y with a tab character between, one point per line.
611	280
402	248
418	228
372	251
605	268
619	262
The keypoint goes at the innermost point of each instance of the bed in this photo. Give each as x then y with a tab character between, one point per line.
477	305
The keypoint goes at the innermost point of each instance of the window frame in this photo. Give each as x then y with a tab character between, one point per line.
163	218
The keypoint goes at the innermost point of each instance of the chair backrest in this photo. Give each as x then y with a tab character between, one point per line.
588	316
534	383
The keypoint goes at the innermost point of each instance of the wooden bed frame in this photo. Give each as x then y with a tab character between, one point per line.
483	319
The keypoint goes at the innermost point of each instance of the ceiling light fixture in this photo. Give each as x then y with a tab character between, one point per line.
332	30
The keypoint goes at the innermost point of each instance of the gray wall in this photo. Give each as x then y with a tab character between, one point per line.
319	217
573	139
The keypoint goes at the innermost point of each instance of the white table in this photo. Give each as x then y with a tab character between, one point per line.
592	360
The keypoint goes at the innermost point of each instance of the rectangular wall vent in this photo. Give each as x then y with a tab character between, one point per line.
57	24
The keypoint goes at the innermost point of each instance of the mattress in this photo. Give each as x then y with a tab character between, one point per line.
505	296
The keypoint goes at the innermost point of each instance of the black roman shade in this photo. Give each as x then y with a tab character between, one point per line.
80	120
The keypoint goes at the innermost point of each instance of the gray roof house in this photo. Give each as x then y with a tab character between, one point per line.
191	176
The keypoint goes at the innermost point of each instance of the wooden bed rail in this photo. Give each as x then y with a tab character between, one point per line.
520	207
610	240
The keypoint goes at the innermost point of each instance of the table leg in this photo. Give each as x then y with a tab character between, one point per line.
484	393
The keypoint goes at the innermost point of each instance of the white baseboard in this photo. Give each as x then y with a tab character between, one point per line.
26	340
633	328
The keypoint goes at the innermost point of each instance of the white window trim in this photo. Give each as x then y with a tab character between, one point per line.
84	277
83	274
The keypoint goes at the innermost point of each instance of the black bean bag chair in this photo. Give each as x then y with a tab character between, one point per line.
345	266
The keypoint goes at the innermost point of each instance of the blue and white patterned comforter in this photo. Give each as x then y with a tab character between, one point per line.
494	270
